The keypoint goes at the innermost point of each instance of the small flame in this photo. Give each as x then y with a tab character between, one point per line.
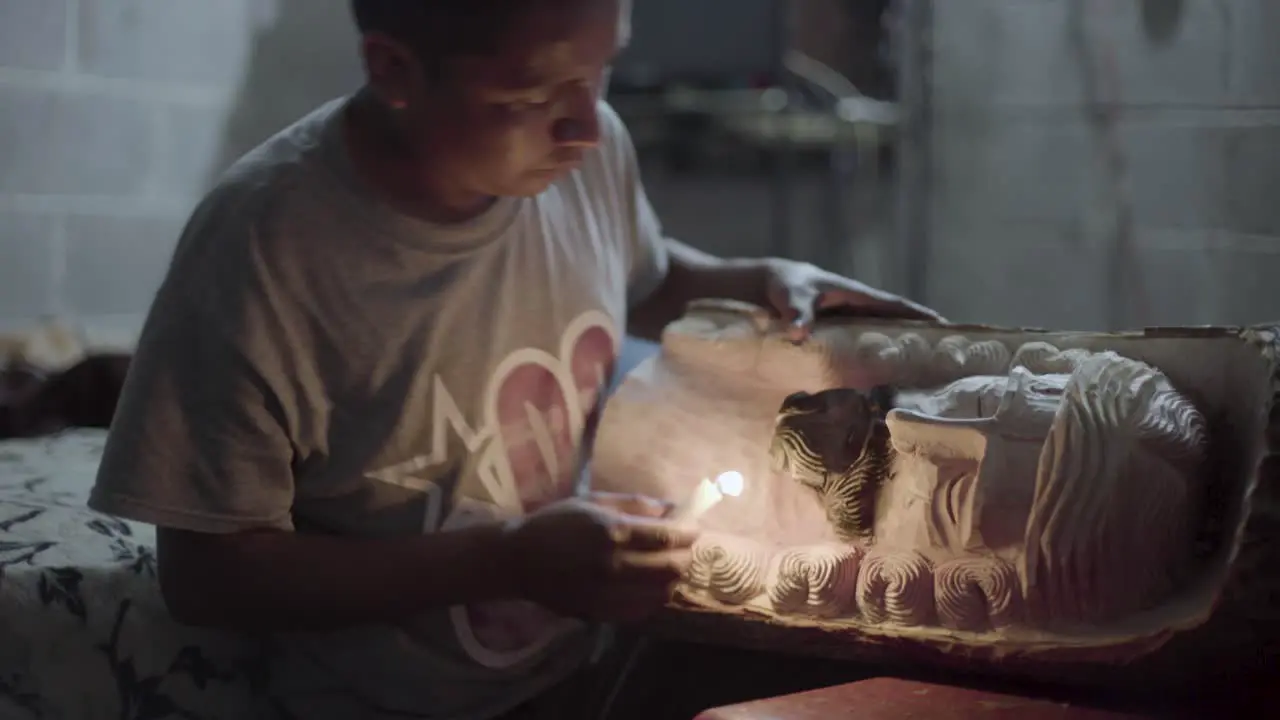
731	483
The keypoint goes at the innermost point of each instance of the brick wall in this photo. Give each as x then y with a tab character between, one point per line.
1023	212
115	115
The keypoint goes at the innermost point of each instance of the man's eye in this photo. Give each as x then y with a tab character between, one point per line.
527	103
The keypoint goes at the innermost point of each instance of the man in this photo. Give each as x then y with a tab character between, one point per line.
354	408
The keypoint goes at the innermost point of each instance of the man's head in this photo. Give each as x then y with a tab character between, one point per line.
499	96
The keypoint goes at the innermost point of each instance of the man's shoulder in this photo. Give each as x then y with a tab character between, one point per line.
238	234
276	168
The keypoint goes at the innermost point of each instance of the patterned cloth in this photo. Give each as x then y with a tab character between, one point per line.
83	631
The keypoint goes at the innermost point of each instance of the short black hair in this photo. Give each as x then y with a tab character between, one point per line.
438	28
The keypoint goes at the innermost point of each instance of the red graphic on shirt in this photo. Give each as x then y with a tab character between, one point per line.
540	435
534	419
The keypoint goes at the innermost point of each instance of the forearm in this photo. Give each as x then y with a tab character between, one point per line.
278	581
692	275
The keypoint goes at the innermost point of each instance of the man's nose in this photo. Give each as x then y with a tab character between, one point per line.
580	126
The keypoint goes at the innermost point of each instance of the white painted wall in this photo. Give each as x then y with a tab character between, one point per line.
115	115
1022	208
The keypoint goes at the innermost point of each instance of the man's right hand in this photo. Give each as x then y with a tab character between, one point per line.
603	557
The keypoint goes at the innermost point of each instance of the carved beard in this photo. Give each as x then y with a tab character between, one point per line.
836	443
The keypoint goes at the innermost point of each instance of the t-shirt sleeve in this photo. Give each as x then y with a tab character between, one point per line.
200	439
646	243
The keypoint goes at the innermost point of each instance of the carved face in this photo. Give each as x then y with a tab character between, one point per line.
1024	500
974	447
823	433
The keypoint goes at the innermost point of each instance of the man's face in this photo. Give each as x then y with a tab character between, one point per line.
511	122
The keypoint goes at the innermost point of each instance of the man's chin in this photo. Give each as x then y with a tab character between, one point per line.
537	181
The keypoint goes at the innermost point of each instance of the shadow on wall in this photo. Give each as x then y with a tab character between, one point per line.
304	53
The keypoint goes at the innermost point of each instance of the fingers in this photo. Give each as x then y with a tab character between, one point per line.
645	535
645	582
802	326
798	307
779	296
631	603
631	504
883	307
638	585
795	307
912	311
660	568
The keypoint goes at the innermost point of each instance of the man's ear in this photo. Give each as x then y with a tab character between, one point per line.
392	67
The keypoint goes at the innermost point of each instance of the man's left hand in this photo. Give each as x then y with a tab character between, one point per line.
797	291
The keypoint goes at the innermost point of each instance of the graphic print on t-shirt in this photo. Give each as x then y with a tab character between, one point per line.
522	454
540	407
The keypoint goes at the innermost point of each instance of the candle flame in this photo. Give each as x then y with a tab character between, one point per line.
731	483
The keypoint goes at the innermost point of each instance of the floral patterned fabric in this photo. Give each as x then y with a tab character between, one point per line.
83	631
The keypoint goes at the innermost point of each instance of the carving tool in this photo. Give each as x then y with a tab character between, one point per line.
608	633
587	445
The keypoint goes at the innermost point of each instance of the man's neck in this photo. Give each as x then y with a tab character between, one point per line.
400	173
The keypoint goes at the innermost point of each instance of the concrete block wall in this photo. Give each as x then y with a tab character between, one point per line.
1022	208
115	116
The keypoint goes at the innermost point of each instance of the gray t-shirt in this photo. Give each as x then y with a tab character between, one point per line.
319	363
